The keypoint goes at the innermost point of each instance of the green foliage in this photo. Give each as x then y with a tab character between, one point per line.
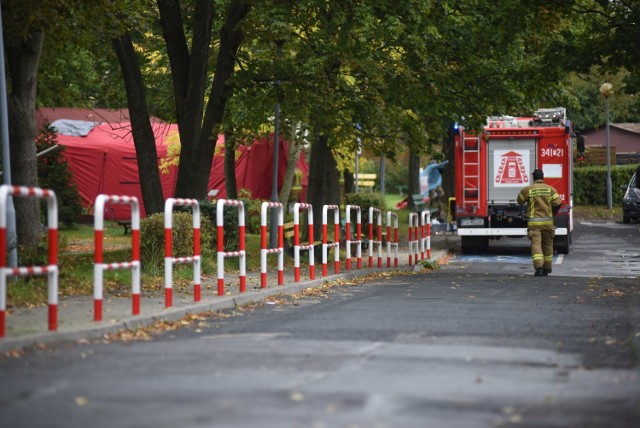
230	217
590	184
397	174
365	201
252	211
430	265
54	173
586	106
152	239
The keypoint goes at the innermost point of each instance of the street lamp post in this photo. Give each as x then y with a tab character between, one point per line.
606	89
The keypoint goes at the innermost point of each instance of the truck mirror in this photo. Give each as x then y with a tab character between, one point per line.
580	142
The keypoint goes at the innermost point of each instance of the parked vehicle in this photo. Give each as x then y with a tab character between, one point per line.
631	200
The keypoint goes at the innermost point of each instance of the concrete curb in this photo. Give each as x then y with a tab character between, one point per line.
93	331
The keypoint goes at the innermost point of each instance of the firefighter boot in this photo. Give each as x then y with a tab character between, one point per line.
546	271
539	272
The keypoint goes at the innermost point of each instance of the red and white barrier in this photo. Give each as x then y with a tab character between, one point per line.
392	238
51	269
358	240
277	206
169	260
336	244
425	238
241	254
372	241
296	239
414	242
99	266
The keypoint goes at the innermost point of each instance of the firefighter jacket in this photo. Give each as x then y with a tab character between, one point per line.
541	199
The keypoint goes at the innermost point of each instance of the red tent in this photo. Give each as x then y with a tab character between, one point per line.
104	161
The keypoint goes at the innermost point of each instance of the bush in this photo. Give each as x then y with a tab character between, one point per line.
590	184
365	200
231	233
152	239
54	174
252	211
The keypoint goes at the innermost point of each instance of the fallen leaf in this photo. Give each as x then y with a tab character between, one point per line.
296	396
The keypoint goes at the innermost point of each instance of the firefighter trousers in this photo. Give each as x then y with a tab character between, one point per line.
541	247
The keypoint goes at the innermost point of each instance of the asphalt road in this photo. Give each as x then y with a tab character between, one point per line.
480	343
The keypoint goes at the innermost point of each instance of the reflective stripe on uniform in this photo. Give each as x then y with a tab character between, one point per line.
540	223
540	219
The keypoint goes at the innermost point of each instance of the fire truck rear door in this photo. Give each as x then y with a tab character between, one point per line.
511	163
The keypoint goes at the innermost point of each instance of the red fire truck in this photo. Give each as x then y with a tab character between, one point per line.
492	167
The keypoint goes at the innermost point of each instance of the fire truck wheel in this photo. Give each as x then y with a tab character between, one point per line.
474	244
561	243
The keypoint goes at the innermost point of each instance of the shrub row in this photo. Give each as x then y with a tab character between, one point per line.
590	184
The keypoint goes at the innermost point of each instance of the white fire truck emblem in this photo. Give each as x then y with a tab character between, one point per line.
511	168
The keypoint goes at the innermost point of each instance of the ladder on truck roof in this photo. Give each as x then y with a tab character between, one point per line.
471	172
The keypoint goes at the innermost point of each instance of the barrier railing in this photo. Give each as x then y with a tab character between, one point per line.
372	241
392	238
336	234
277	206
414	242
358	240
425	237
169	260
222	254
296	239
99	266
51	269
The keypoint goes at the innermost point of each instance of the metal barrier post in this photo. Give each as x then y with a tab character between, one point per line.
99	266
263	242
392	240
413	233
358	240
296	239
336	234
51	269
425	241
169	260
371	240
241	254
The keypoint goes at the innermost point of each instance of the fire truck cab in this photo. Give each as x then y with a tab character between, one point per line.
491	167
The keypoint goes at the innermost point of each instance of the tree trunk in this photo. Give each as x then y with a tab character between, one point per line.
143	138
349	182
293	155
322	188
189	74
414	175
448	177
230	39
23	60
230	166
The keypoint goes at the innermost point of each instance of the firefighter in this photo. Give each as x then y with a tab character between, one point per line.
543	202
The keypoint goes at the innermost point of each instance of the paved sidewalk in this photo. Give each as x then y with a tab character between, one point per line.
26	327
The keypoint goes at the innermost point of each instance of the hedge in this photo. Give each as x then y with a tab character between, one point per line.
590	184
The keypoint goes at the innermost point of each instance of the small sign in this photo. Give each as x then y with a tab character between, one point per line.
552	170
